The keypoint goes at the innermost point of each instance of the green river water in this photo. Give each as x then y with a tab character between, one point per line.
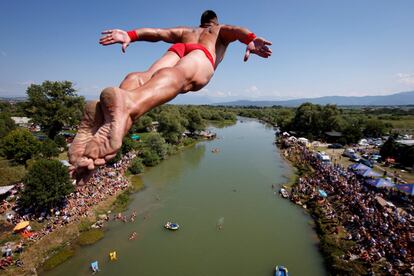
201	190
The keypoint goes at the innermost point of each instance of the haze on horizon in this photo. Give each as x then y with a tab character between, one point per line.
320	48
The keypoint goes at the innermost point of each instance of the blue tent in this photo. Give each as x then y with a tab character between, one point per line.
380	182
94	266
359	167
406	188
370	173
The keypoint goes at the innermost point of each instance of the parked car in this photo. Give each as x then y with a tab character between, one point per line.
354	157
348	152
366	162
335	146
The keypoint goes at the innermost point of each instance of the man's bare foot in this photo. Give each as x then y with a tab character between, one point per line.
117	121
91	121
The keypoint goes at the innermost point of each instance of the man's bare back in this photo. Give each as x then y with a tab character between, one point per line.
187	66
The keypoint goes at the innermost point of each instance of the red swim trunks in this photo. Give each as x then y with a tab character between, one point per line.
182	49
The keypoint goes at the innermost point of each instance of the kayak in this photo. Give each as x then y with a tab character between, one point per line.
280	270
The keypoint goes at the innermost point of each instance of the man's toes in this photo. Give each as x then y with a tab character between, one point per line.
92	149
99	162
110	156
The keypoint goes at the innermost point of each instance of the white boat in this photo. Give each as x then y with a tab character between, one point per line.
171	226
284	192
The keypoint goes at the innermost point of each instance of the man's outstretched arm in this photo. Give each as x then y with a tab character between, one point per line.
255	45
171	35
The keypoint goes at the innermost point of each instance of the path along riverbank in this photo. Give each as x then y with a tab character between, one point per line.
358	233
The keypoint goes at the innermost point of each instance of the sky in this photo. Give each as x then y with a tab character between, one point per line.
320	47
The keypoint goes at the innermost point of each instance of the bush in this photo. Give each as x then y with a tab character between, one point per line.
136	166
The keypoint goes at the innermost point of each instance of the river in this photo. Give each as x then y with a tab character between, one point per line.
203	192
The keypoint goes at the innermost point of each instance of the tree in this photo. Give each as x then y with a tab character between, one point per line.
6	124
150	158
141	125
157	145
375	128
389	148
195	121
46	185
308	120
48	148
136	166
53	105
170	126
19	145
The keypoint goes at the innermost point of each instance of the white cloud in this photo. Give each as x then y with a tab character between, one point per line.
26	83
406	78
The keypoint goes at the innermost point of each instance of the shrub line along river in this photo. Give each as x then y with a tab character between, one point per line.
231	221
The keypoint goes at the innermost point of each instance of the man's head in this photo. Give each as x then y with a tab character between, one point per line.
207	17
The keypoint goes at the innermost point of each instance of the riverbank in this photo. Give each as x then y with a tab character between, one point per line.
353	227
62	243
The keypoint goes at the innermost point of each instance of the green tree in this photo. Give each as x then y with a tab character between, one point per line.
150	158
308	120
375	128
157	145
48	149
6	124
142	124
46	185
53	105
136	166
170	126
195	120
19	145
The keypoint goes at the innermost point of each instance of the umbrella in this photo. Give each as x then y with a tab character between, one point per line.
21	225
380	182
322	193
407	188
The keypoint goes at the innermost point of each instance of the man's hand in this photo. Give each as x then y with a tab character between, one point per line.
110	37
259	47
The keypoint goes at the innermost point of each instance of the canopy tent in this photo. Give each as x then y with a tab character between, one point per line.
21	225
135	137
370	173
359	167
380	182
406	188
5	189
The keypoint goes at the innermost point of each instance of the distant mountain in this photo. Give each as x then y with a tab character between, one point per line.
403	98
13	99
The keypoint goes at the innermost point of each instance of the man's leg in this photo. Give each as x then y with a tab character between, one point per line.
137	79
93	115
121	107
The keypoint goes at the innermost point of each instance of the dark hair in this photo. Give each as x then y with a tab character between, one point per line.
208	16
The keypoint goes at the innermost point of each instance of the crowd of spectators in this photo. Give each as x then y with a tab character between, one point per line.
105	182
382	233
